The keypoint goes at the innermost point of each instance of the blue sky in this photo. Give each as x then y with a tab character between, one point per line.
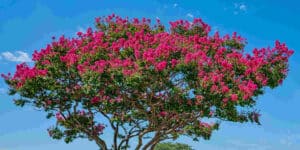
26	25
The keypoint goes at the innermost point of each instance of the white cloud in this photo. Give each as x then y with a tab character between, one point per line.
175	5
239	8
190	15
243	7
19	56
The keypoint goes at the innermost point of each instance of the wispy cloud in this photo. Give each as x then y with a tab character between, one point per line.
243	7
190	15
215	28
239	8
2	91
249	146
289	139
175	5
19	56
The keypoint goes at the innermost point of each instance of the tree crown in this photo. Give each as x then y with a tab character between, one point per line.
144	79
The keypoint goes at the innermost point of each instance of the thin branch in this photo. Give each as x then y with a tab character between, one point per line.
116	133
155	138
140	138
109	119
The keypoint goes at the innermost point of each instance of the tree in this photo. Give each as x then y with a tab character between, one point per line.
139	80
172	146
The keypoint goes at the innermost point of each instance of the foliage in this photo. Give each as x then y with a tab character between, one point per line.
172	146
141	80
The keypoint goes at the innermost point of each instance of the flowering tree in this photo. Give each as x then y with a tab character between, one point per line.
142	81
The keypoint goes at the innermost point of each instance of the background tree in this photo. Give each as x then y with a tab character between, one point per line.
172	146
143	81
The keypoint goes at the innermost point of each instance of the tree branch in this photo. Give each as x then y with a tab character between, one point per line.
116	133
140	138
155	138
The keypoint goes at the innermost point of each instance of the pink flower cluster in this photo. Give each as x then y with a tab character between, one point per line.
247	88
206	125
163	113
59	117
24	73
99	128
161	65
186	25
70	58
129	47
101	98
36	56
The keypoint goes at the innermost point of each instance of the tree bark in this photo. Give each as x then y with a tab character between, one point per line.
116	137
152	141
100	143
140	139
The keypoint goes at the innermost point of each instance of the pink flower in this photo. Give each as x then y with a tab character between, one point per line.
99	66
225	89
199	97
161	65
48	102
226	65
148	56
214	88
234	97
70	58
174	62
95	100
59	117
97	20
36	56
215	78
118	99
225	100
46	62
80	68
99	128
79	33
188	58
163	113
204	124
82	113
136	53
127	72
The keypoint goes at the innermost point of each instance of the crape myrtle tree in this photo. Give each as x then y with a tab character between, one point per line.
143	83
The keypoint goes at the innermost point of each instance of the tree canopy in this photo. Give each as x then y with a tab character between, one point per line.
140	80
